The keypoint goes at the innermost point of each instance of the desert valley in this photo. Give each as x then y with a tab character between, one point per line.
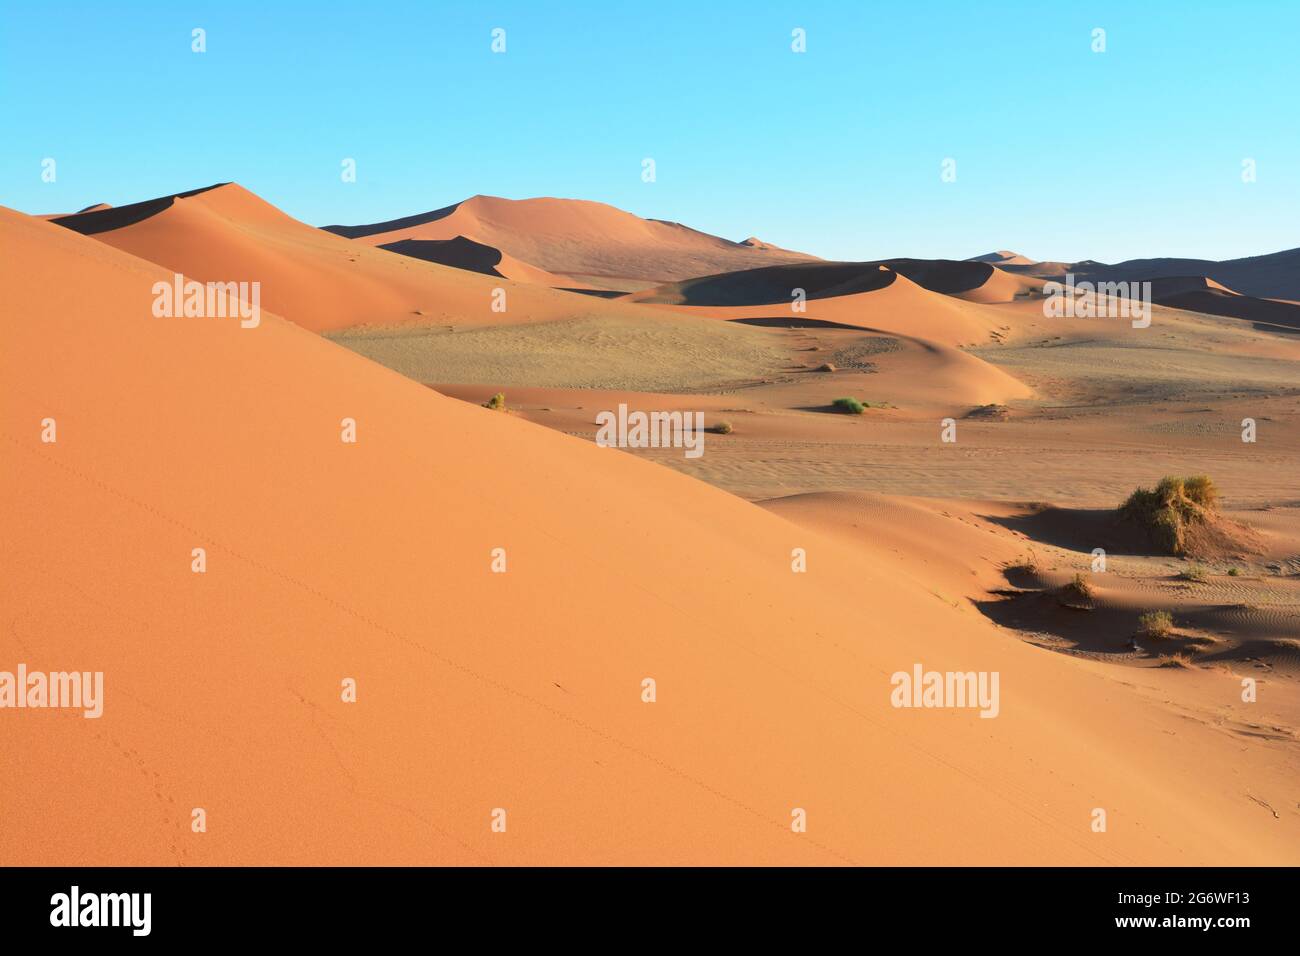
394	477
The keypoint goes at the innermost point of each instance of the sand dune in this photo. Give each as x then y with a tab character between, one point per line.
317	280
777	284
584	241
895	305
1003	257
1272	276
95	207
462	253
517	690
1202	294
771	285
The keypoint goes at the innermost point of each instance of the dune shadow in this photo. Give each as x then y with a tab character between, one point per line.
406	222
458	252
792	322
948	276
1078	529
829	410
1095	630
780	283
597	293
115	217
1267	315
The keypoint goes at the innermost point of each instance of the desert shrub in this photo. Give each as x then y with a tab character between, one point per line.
1175	660
1200	489
1079	588
991	413
497	402
1193	572
1156	624
1166	510
722	428
1234	572
826	367
850	405
1028	564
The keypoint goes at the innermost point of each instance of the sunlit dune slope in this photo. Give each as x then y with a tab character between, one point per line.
579	238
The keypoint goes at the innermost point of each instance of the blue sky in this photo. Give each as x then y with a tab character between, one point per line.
1061	153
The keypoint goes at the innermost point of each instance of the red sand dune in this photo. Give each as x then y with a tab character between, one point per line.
579	239
775	284
320	281
1003	257
1275	275
891	302
1202	294
462	253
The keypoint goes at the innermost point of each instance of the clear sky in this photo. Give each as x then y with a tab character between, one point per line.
1061	153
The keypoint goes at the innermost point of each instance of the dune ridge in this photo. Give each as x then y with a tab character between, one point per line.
318	280
578	239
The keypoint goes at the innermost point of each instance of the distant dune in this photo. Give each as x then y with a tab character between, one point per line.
319	280
1003	258
1201	294
585	241
820	280
462	253
1272	276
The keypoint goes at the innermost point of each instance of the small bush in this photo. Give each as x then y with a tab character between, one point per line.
1028	564
1193	572
826	367
722	428
1234	572
497	402
1200	489
850	405
1156	624
1079	588
1166	510
1175	660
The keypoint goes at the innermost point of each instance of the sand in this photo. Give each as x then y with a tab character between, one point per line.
317	280
523	690
587	242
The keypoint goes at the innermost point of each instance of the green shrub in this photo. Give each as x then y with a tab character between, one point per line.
1193	572
850	405
1157	624
722	428
497	402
